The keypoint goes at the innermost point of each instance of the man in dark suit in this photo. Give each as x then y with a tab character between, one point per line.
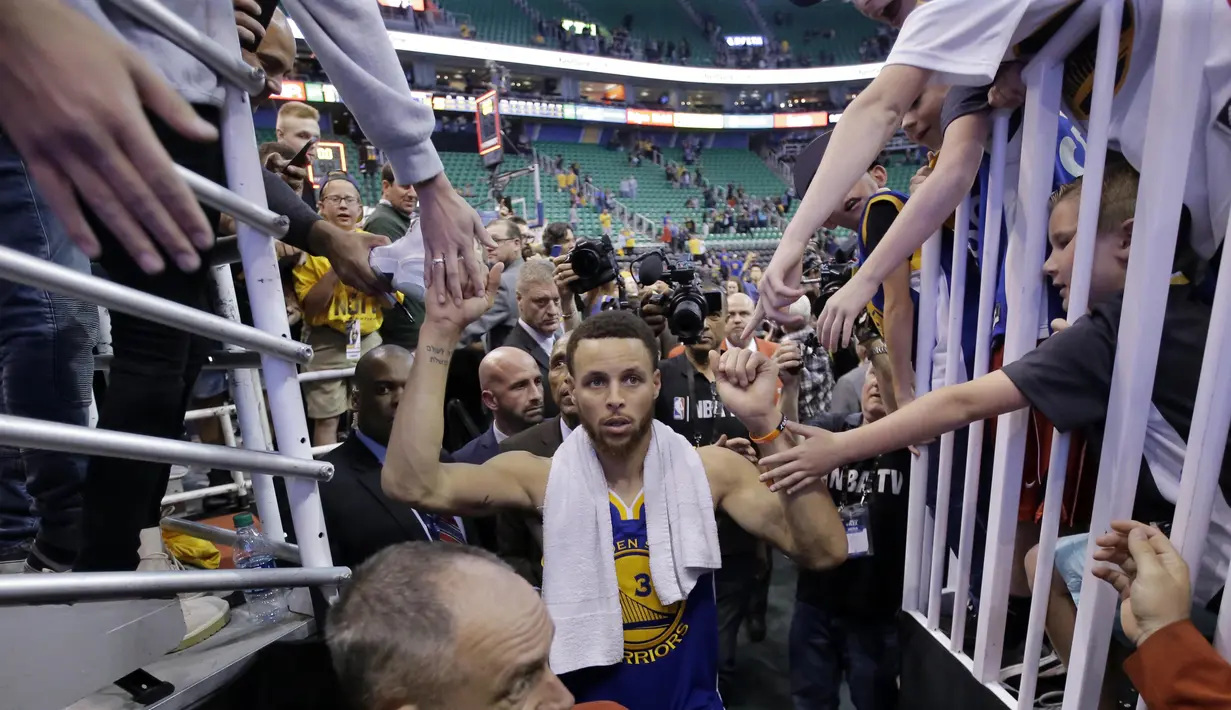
519	537
360	518
501	319
538	324
512	394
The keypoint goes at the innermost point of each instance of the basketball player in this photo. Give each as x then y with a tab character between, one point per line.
670	651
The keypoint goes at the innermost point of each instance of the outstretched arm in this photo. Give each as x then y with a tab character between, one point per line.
930	205
944	410
804	525
867	124
412	471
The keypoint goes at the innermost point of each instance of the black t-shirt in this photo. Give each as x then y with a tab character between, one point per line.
689	404
1068	379
868	587
880	218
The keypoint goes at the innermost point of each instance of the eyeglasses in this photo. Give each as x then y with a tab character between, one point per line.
344	199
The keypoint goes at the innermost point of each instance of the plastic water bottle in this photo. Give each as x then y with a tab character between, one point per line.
252	551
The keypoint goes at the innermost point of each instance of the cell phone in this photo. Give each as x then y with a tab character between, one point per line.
556	250
267	12
301	158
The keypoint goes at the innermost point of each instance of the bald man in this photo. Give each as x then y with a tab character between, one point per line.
360	518
740	307
276	55
512	392
440	627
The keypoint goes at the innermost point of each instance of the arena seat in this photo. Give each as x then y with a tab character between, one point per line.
501	22
665	21
849	26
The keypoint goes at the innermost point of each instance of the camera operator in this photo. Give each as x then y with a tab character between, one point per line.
688	403
844	620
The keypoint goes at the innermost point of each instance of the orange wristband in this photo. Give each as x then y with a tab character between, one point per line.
774	434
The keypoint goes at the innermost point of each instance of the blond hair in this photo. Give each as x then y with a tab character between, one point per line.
298	109
1119	198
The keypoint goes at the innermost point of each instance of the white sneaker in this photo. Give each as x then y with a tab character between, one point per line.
204	615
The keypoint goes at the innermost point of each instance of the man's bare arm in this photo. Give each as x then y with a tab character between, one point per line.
899	333
412	470
805	526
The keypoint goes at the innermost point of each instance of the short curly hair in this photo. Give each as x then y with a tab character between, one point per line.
613	325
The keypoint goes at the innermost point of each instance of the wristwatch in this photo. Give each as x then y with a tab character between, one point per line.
880	349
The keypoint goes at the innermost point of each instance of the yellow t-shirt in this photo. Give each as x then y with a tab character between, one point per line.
561	180
570	178
346	305
694	246
605	220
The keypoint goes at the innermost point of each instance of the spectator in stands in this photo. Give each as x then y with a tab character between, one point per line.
574	220
361	519
752	281
539	322
340	322
297	124
1174	666
513	395
519	536
448	626
845	623
501	318
604	221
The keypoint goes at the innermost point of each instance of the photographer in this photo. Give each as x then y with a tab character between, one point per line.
688	402
844	621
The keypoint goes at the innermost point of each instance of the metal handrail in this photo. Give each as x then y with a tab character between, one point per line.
32	271
52	436
221	536
101	586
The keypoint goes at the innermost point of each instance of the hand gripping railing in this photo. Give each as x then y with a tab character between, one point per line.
244	198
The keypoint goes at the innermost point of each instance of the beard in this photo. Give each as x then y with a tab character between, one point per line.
619	447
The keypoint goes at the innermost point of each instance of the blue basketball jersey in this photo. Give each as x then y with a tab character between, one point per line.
670	651
876	308
1068	166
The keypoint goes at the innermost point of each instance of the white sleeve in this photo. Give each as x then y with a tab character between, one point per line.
352	44
962	42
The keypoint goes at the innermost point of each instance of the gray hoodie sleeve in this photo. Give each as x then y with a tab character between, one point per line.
352	44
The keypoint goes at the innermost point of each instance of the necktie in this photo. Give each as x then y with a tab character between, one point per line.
445	529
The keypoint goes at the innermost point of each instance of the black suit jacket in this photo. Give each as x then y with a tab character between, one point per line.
479	449
359	518
519	535
520	339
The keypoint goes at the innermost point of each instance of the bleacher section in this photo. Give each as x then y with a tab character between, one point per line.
850	26
730	15
495	20
662	20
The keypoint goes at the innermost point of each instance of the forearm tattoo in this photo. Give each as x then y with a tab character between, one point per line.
438	356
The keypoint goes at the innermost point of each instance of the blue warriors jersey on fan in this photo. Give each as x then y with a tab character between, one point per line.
670	651
876	308
1069	165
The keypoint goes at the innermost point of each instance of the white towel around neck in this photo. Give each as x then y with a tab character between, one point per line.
579	577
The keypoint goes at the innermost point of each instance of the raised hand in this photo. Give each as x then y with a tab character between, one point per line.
837	319
75	106
1152	580
790	362
450	228
779	286
441	309
796	468
747	384
248	23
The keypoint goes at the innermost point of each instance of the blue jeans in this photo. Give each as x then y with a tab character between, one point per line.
46	371
826	647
